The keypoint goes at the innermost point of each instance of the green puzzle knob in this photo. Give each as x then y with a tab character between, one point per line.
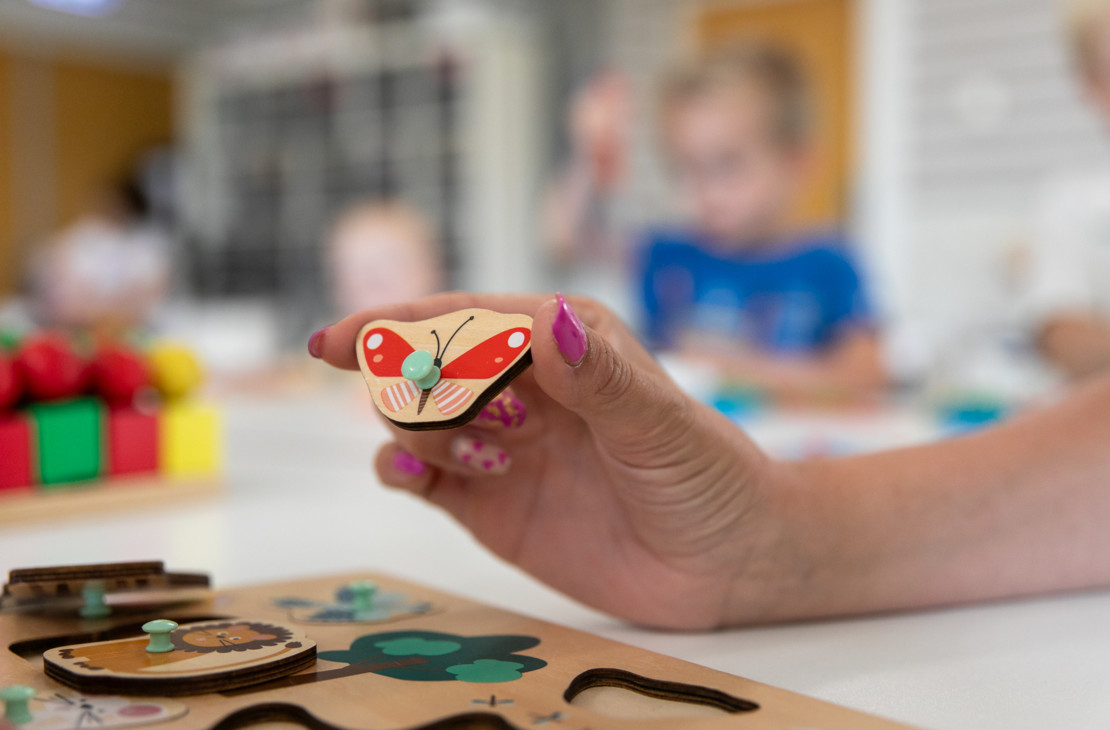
420	368
159	630
16	699
93	594
362	592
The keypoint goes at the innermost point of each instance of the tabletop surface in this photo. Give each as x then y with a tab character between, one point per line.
302	500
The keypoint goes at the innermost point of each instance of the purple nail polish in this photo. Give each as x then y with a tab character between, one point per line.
406	463
505	410
316	343
569	333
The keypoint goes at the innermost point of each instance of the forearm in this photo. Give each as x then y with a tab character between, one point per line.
1019	509
1077	344
852	369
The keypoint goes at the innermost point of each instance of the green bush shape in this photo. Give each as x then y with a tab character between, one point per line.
487	670
429	656
417	646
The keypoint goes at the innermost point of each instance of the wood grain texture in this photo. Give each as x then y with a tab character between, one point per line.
495	347
338	692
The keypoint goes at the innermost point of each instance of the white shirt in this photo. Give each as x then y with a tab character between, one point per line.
1070	257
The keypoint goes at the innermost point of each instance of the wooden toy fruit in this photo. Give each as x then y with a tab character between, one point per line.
174	369
51	370
119	373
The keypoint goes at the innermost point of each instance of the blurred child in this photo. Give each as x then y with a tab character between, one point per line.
779	308
1070	287
379	253
108	271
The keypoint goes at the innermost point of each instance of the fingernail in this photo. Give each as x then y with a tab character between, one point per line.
406	463
316	343
505	410
480	456
569	333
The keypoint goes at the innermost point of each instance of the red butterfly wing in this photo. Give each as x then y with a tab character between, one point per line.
384	351
489	358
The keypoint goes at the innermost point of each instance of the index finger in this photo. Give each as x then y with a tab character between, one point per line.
337	342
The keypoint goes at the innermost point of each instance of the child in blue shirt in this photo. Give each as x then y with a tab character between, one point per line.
770	305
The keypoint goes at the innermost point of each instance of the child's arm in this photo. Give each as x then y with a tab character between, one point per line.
626	494
851	367
1079	344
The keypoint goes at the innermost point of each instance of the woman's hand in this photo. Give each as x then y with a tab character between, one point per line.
617	488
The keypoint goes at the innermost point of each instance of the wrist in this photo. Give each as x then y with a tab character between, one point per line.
776	550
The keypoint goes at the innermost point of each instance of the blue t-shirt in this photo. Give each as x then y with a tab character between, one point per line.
798	298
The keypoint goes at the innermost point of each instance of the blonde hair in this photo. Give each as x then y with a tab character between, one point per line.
772	69
1083	18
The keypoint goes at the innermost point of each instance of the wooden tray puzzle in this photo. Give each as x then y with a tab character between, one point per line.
371	652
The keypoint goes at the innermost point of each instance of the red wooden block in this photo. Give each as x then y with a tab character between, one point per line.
15	452
132	442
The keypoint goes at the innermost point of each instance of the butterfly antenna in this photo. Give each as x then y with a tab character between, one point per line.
436	335
456	332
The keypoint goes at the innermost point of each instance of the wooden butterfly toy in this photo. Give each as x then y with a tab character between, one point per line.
441	372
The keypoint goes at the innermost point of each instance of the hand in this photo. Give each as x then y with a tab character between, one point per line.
617	488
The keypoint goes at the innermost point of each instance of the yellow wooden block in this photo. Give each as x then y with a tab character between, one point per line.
191	440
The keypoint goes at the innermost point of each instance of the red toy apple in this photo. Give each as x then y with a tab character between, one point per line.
11	382
119	373
50	368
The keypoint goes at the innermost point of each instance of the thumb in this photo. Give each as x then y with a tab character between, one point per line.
621	399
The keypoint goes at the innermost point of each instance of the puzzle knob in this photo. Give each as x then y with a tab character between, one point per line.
420	368
16	699
159	631
93	594
362	593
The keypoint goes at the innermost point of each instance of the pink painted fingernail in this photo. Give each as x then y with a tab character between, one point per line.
406	463
569	333
506	410
480	456
316	343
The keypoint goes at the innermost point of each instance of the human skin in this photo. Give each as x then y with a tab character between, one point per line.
629	496
1077	343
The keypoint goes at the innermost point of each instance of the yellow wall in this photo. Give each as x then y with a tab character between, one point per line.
101	118
105	119
821	33
7	221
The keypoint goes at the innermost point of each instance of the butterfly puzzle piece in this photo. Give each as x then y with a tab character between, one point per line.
441	372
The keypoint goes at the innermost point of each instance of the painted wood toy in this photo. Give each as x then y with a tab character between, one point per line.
96	590
441	372
193	658
461	665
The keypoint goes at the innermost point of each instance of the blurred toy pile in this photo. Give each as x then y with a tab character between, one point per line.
74	413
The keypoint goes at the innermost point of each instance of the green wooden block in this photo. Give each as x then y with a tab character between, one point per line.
69	440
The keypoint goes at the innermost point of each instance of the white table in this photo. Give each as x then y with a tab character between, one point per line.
302	500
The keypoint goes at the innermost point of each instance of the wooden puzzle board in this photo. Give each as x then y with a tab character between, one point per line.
400	674
33	504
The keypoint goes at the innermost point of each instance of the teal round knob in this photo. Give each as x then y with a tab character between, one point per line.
159	631
418	365
362	593
16	699
93	595
420	368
